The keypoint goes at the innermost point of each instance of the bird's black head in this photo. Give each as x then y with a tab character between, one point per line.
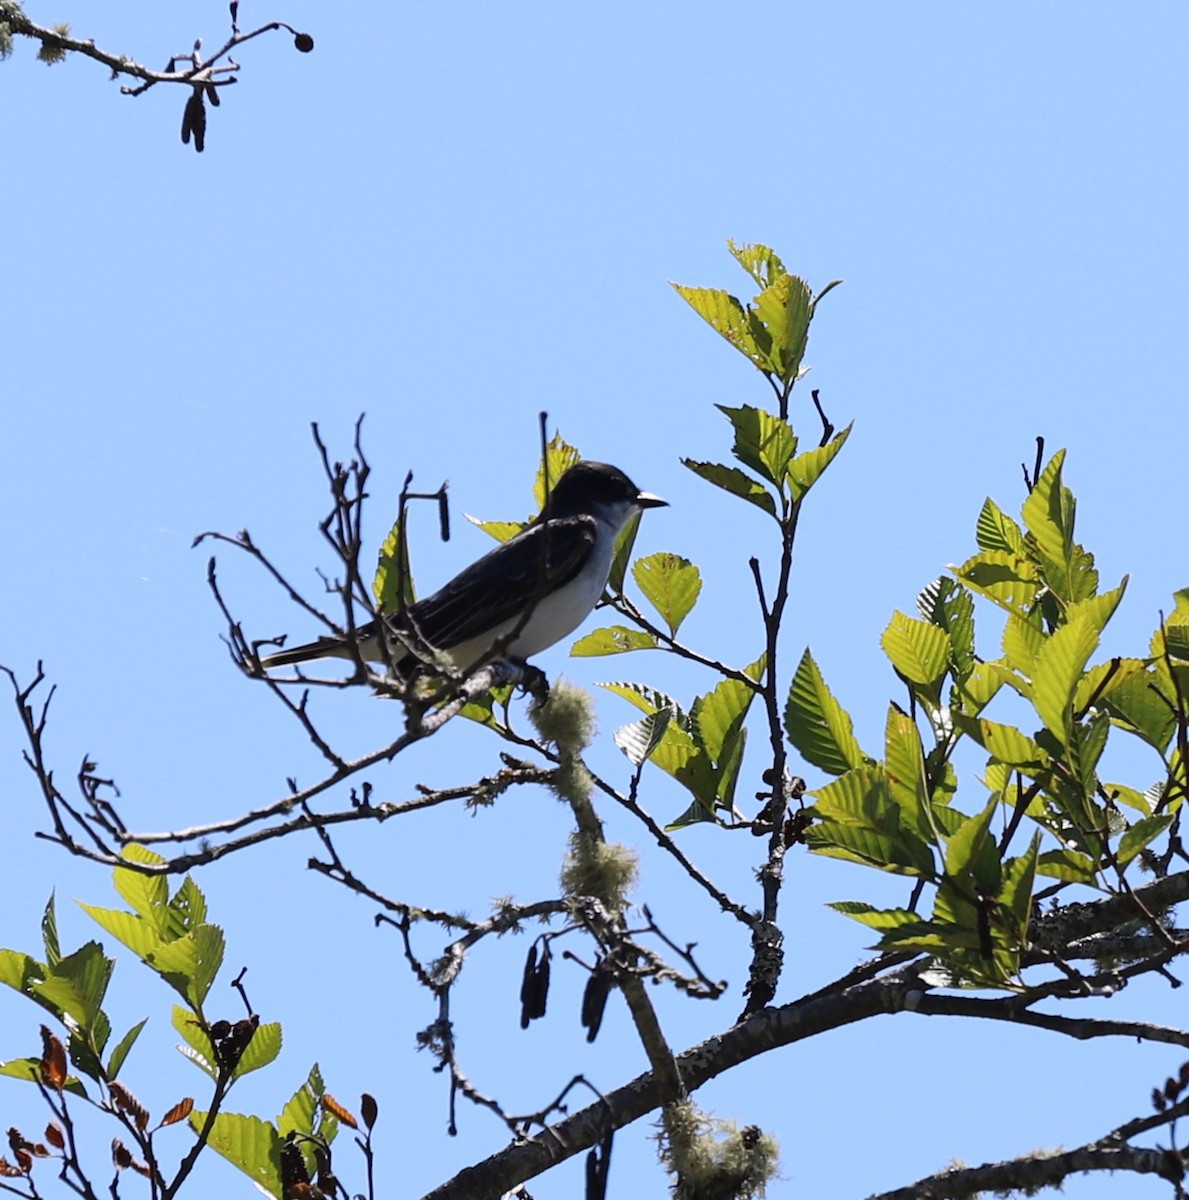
594	488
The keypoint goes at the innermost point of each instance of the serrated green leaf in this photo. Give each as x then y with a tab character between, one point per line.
198	1048
615	639
1019	876
918	650
763	442
727	316
760	262
145	894
817	725
141	936
1144	831
1120	793
89	970
17	970
904	763
1049	512
261	1050
190	963
639	739
502	531
1098	610
807	468
997	531
1070	865
783	311
1022	640
624	544
732	480
301	1110
252	1145
649	700
971	853
1058	669
49	934
116	1061
189	905
1004	742
875	918
392	584
671	584
979	688
945	604
719	713
560	456
29	1070
1007	580
859	821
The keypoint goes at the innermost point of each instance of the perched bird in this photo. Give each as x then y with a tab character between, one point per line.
554	570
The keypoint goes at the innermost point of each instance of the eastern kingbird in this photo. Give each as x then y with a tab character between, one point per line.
538	586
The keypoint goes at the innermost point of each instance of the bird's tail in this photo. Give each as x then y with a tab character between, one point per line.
327	647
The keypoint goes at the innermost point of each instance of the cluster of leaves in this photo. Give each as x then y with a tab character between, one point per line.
171	936
896	813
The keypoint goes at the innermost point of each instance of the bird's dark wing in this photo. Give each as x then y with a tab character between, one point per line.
499	586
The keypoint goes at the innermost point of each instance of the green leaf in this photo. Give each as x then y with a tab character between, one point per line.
49	934
301	1112
1005	579
89	970
727	316
615	639
649	700
1016	894
1144	831
138	934
1004	742
763	442
18	970
671	584
1120	793
1022	641
1049	512
979	688
252	1145
560	456
640	738
188	906
807	468
760	262
1060	662
502	531
624	544
198	1048
1137	705
29	1070
905	766
719	713
817	725
918	650
1069	865
945	604
1098	609
875	918
971	852
189	964
261	1050
784	309
144	894
123	1046
997	531
1101	680
732	480
392	585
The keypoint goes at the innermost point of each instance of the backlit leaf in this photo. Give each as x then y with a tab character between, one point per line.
732	480
615	639
671	585
817	725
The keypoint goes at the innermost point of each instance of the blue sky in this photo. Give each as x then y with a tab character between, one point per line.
451	217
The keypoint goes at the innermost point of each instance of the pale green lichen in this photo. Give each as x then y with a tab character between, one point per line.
709	1157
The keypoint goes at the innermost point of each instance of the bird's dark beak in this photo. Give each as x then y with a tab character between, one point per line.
648	500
